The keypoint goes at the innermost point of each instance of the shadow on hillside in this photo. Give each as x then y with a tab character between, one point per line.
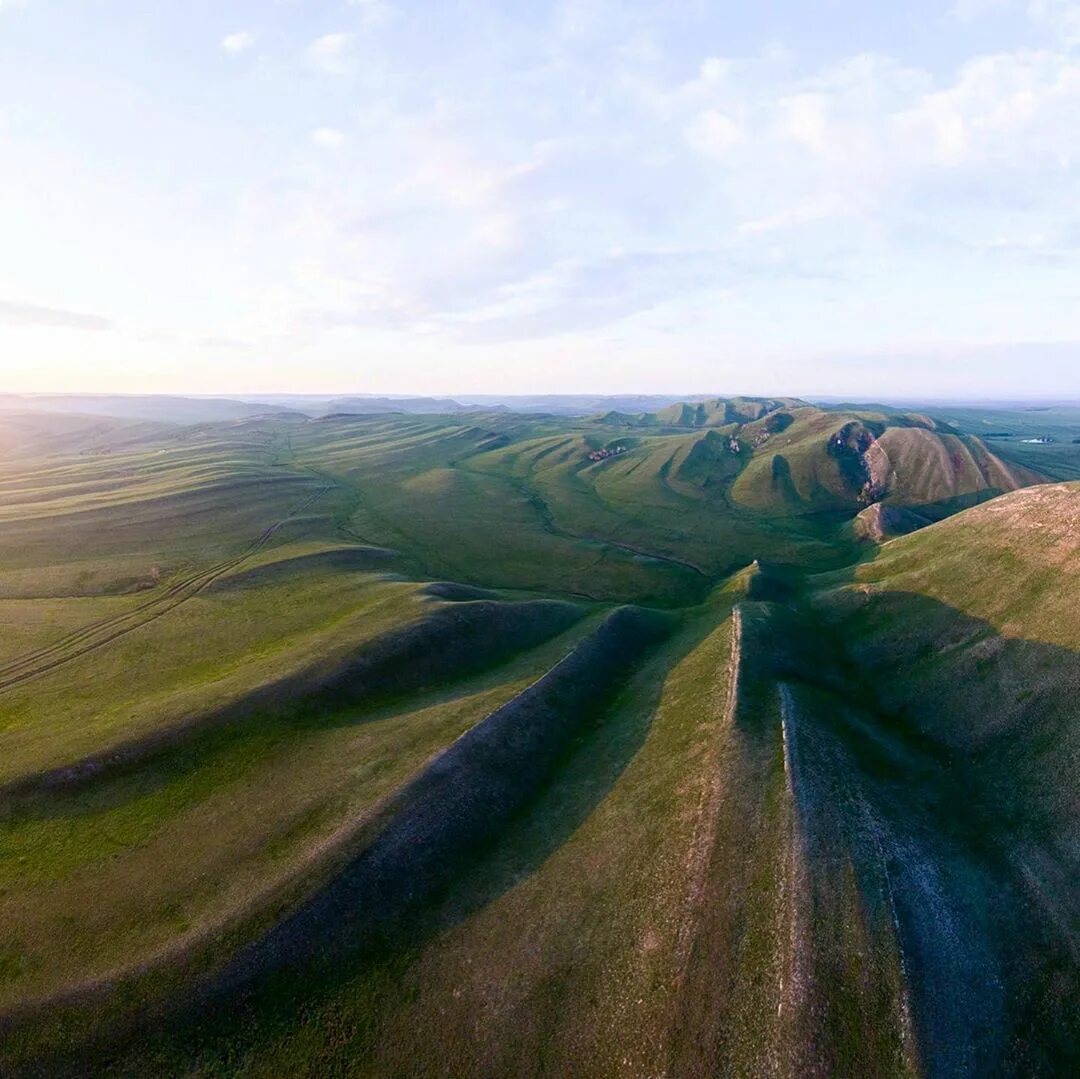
392	896
921	741
444	648
948	507
783	483
922	745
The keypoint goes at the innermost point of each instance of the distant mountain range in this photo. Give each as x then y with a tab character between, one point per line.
169	408
161	407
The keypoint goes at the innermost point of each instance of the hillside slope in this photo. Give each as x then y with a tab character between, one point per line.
825	460
453	746
784	458
709	413
721	411
966	642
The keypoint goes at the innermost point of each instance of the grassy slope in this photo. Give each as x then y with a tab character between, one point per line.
659	496
68	694
194	834
580	905
792	472
934	472
747	853
967	644
412	487
723	411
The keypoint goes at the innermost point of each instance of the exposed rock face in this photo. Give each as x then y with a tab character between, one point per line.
880	522
862	463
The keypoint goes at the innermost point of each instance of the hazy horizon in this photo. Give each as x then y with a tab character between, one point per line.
1034	401
576	197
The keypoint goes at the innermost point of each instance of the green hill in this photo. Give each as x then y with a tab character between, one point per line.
965	640
722	411
785	458
713	412
492	744
831	460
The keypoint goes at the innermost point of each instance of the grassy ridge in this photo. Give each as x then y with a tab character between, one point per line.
593	863
338	729
966	635
203	823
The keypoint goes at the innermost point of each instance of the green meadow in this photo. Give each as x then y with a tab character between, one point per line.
499	744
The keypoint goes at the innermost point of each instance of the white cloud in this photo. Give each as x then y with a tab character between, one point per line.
714	133
714	68
579	18
856	136
498	192
571	296
373	12
1060	16
229	344
967	11
1013	110
330	52
803	118
500	231
329	138
806	213
467	220
240	41
448	171
24	314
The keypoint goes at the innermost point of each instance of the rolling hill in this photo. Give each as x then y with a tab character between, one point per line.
806	459
785	457
502	744
161	408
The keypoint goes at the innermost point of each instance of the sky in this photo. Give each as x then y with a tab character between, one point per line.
390	196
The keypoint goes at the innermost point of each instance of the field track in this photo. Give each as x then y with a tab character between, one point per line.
88	638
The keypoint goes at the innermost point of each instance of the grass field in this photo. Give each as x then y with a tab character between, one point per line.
451	745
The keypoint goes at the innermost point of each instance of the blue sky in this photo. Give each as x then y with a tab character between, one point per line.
579	196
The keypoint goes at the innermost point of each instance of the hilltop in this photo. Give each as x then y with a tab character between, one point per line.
783	457
839	458
714	412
